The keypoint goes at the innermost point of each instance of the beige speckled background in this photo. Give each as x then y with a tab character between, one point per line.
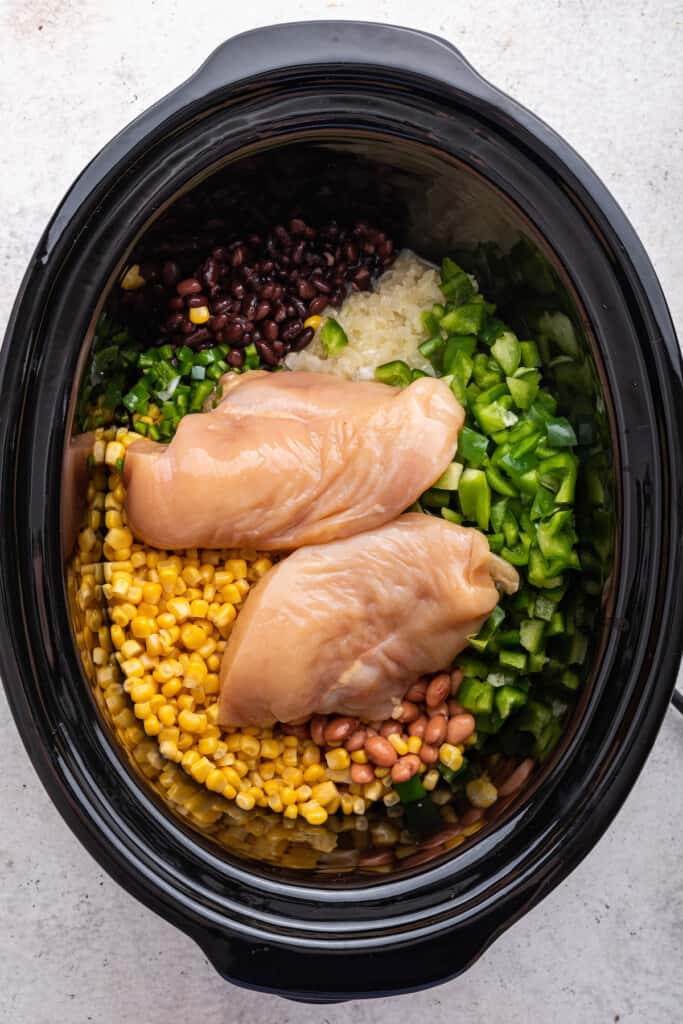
607	945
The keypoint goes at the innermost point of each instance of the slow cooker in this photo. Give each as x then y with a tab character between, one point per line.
369	118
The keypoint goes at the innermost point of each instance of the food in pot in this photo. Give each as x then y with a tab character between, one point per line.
462	740
289	459
351	624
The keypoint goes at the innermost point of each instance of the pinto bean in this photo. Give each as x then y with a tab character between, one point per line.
390	727
406	712
356	740
457	677
375	858
454	708
417	728
317	727
405	768
380	751
438	690
440	709
429	754
518	777
339	728
435	732
417	691
460	727
362	773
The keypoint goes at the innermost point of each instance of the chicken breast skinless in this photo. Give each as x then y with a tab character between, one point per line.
347	627
291	458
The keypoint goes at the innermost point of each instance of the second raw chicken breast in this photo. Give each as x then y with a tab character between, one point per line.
347	627
291	458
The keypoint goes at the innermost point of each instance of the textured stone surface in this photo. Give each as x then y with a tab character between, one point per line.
607	945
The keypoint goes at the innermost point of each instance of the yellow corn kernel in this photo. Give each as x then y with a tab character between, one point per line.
243	586
141	692
372	791
224	616
207	746
152	725
431	780
199	314
398	743
167	715
481	793
291	812
180	609
275	802
471	740
337	759
450	756
293	776
215	781
382	773
131	649
271	786
414	744
290	757
325	792
391	798
141	627
310	755
314	773
287	795
260	567
118	637
192	636
359	757
270	749
312	321
200	769
314	815
191	722
241	767
151	593
250	746
199	609
346	802
303	793
168	577
113	452
471	829
132	279
245	801
231	593
119	537
238	568
132	667
171	688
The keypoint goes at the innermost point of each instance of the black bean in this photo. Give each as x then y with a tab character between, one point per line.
305	289
279	312
175	321
237	290
300	308
282	235
320	285
302	340
361	279
270	330
170	272
238	255
222	255
189	286
217	323
233	332
318	305
267	291
262	310
297	226
195	301
278	349
293	328
235	358
176	303
220	306
337	297
298	253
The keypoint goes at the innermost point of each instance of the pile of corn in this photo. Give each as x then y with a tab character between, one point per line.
168	619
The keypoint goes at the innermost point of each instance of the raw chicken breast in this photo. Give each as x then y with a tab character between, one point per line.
291	458
347	627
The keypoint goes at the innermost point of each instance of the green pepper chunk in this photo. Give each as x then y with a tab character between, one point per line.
455	283
507	351
509	699
560	433
333	337
472	446
464	319
410	790
531	633
475	696
475	497
396	373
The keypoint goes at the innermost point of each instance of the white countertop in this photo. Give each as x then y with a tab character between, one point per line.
607	945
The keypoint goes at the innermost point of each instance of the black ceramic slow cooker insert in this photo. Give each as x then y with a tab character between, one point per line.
366	118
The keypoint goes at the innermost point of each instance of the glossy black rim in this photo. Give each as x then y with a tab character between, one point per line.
237	914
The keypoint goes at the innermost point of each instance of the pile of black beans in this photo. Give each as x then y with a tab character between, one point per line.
262	288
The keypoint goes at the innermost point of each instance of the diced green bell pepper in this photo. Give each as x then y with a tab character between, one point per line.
475	696
333	337
397	373
475	497
509	699
507	351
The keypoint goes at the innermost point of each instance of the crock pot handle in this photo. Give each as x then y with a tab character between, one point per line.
294	48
